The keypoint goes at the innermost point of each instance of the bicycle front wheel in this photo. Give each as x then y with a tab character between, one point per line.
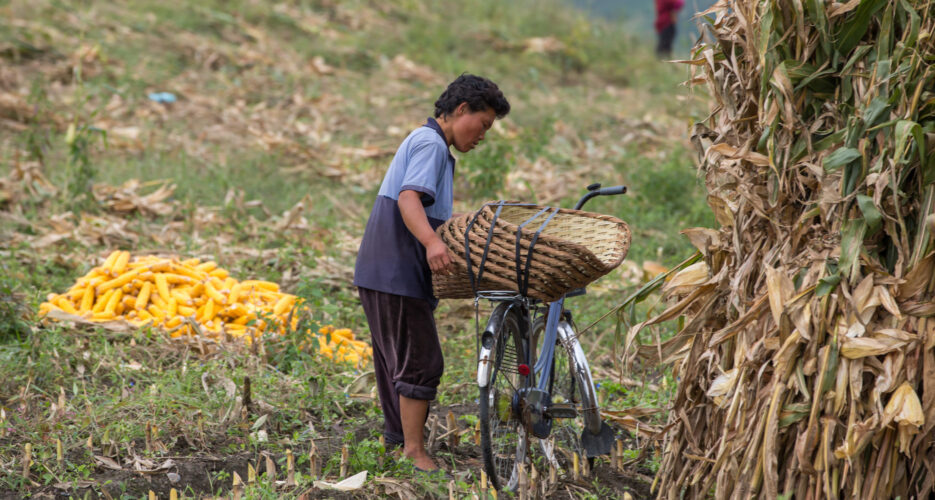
504	439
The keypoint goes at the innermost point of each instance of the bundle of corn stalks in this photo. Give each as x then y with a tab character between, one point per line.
807	357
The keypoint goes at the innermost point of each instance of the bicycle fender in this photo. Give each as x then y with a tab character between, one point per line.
488	343
568	338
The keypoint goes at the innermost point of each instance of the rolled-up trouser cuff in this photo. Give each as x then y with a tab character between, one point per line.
415	391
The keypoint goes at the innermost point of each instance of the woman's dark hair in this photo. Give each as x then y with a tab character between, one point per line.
478	92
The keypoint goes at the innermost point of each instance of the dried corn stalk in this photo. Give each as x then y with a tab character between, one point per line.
807	360
127	198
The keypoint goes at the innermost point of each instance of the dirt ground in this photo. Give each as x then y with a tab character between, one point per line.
198	471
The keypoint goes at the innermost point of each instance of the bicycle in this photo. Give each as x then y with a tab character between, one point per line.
531	373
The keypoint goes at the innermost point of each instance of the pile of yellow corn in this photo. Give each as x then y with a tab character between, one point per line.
179	295
339	345
167	292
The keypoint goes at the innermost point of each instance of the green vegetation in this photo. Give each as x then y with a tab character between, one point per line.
14	312
285	118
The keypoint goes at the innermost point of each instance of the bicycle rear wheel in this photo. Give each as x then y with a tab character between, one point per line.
504	439
570	382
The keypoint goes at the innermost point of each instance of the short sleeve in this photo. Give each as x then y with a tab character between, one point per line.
426	162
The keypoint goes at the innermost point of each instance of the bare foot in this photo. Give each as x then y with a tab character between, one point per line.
421	459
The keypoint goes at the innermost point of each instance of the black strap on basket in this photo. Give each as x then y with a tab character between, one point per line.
467	246
522	276
522	272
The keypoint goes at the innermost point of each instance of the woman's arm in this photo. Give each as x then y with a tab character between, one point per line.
436	251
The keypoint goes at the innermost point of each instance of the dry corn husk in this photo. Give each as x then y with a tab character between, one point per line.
905	409
687	279
126	198
722	386
806	363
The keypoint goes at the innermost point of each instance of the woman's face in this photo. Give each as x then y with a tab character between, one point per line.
468	127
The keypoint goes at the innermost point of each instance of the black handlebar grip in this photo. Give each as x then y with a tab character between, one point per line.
610	191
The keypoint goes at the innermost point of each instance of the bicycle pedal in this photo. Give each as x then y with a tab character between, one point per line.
562	410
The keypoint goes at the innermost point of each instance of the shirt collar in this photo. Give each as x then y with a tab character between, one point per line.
432	124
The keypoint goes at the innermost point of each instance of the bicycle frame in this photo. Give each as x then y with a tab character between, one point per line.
537	400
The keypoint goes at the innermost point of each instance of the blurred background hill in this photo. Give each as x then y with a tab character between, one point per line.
637	17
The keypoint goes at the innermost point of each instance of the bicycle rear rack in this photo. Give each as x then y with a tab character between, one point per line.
498	295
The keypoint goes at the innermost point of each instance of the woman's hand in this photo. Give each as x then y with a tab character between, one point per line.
436	253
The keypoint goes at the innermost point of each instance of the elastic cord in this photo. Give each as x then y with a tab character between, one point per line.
532	244
517	260
483	258
467	250
475	281
467	245
549	341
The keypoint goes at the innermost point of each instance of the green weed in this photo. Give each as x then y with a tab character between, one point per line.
81	170
14	311
486	168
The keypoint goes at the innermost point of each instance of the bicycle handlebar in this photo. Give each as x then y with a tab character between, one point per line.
597	190
612	191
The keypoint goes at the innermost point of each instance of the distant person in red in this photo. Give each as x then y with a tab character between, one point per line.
666	15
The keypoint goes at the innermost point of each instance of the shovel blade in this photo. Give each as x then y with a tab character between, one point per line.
598	444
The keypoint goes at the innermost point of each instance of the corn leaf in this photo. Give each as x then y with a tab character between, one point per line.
872	216
904	130
853	30
839	158
852	239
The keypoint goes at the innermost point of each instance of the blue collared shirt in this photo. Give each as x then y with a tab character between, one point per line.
390	258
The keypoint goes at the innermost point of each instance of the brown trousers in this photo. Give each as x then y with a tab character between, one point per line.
407	355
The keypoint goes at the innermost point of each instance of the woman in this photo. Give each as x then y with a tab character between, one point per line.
400	250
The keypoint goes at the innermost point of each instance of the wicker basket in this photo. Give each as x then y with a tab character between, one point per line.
573	248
